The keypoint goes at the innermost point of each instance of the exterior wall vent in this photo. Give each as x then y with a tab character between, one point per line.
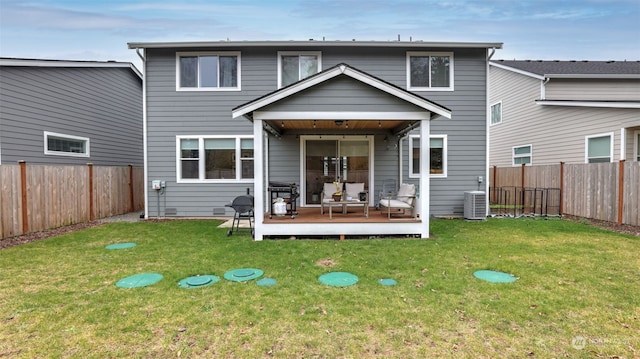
219	211
474	205
170	211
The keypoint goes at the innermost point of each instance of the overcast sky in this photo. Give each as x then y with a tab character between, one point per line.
529	29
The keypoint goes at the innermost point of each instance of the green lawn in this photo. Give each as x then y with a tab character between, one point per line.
577	294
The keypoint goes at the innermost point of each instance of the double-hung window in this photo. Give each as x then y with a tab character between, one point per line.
522	154
496	113
214	158
430	71
208	71
295	66
437	154
65	145
599	148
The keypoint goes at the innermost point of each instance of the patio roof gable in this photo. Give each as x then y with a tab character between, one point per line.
339	70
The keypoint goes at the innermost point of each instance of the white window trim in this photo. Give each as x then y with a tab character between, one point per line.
298	53
491	113
586	145
420	53
201	160
636	145
218	53
64	136
514	156
444	156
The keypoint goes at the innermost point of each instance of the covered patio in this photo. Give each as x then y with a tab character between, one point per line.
338	103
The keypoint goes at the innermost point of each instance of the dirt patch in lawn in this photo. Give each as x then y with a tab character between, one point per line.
327	262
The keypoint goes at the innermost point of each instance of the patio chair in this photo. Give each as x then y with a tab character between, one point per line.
389	188
327	193
404	200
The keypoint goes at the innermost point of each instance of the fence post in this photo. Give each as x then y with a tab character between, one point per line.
23	197
92	215
132	206
620	190
561	210
495	181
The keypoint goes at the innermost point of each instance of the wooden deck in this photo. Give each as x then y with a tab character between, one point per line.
354	215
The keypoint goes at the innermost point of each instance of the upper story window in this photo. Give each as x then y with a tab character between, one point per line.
295	66
522	155
214	158
65	145
437	153
599	148
496	113
208	71
430	71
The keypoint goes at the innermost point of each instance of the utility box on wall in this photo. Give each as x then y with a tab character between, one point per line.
475	205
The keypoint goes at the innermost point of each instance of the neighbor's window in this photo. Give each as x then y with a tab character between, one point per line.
215	158
295	66
430	71
496	113
521	155
437	153
208	71
599	148
65	145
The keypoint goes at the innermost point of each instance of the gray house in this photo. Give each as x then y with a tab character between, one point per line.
224	117
70	112
545	112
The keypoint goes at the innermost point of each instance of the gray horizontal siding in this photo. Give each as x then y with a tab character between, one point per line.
172	113
102	104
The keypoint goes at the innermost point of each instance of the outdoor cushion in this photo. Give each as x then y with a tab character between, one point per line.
329	190
406	193
394	203
353	189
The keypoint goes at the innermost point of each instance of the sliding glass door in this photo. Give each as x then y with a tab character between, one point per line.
326	160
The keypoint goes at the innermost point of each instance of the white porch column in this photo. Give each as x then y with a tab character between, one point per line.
424	177
259	173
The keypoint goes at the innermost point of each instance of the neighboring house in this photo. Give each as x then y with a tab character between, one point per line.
70	112
546	112
225	116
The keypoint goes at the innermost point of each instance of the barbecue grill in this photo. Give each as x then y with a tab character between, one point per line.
286	191
243	207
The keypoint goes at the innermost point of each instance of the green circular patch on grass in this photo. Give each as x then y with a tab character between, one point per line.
266	282
198	281
120	245
243	274
494	276
338	279
387	282
139	280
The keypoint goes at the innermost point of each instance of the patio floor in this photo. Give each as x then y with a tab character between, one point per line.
354	215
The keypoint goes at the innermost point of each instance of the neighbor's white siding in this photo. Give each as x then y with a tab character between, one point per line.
593	90
556	133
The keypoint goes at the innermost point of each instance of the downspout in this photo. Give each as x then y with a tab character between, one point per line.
400	157
487	128
543	84
144	132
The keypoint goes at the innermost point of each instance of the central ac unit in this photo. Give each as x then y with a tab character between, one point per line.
474	205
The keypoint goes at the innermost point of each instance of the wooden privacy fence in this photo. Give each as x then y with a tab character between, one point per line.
39	197
605	191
